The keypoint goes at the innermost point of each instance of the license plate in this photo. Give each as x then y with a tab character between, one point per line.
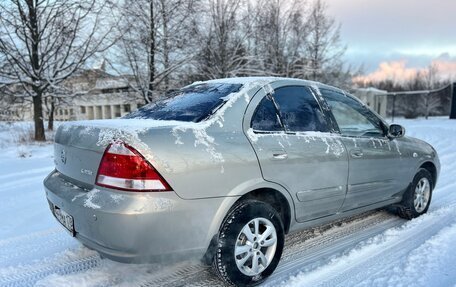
65	219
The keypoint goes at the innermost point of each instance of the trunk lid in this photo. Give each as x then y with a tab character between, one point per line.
79	146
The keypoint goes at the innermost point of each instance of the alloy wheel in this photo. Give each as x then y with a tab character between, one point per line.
255	246
422	194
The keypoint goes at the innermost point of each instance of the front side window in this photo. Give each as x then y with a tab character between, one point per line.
299	110
352	118
191	104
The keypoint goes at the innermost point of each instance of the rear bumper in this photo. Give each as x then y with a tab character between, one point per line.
133	226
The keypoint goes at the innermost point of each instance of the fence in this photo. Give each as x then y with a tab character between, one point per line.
413	104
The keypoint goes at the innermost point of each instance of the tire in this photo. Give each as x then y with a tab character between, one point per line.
415	203
233	236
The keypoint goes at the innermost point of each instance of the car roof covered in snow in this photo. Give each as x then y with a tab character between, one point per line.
269	80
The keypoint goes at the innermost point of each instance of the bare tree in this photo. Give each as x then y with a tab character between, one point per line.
45	41
324	50
432	101
224	41
53	100
9	103
155	41
279	34
418	96
272	37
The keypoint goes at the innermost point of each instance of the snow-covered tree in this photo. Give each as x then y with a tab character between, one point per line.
156	40
279	35
271	37
432	101
324	50
224	36
43	42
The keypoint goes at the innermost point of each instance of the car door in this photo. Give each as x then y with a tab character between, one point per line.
295	149
374	159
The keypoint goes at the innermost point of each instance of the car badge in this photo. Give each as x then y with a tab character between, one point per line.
86	171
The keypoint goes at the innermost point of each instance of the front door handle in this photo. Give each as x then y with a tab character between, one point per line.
356	153
279	154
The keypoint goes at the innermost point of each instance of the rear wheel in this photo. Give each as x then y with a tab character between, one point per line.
417	198
250	245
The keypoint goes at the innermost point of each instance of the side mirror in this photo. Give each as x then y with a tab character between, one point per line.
396	131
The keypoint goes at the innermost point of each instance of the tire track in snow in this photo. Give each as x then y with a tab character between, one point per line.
36	245
300	248
181	277
376	257
310	238
305	249
315	255
29	278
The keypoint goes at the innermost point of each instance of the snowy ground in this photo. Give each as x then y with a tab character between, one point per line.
374	249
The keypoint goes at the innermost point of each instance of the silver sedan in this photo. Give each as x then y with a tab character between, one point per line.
224	169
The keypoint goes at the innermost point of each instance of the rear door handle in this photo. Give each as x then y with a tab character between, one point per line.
356	153
279	154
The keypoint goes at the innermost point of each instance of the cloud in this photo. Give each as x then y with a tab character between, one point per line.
446	68
377	31
398	71
410	26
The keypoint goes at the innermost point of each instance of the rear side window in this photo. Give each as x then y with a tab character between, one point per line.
190	104
265	117
299	110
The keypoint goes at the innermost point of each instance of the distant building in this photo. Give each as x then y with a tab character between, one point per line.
374	98
99	95
106	97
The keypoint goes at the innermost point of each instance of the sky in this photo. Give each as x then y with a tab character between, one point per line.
395	38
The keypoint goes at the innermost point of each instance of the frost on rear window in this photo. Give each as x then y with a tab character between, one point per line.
190	104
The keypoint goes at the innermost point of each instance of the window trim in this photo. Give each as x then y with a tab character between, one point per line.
383	125
281	122
275	111
332	123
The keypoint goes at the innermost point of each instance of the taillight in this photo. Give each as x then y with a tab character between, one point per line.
123	167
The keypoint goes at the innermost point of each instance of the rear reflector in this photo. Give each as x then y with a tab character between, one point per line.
122	167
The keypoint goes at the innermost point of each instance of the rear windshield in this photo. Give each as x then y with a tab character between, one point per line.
190	104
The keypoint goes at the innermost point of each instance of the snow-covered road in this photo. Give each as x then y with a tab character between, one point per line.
374	249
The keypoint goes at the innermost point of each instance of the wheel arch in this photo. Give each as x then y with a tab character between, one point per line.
276	199
281	201
430	166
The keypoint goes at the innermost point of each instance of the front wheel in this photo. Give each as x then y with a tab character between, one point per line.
251	241
417	198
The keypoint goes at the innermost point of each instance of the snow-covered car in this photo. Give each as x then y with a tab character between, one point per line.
225	168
